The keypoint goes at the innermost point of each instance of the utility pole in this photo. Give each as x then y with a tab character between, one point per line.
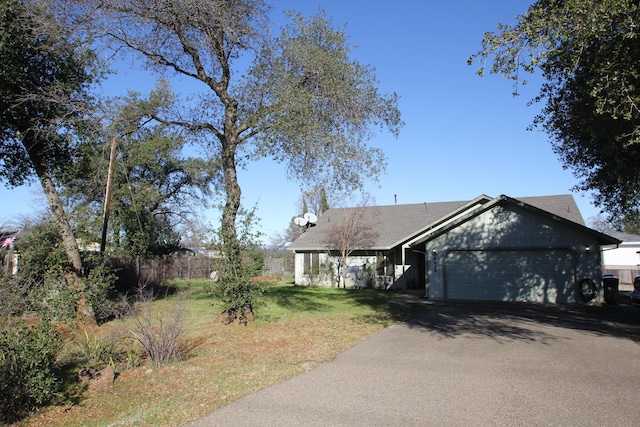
107	194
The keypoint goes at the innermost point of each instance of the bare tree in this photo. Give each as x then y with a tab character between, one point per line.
354	228
316	200
602	223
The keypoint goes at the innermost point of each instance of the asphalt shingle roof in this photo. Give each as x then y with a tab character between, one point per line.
625	237
396	223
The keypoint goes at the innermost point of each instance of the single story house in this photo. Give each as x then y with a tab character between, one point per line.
534	249
623	261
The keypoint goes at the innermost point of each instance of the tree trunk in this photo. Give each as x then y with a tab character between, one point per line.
84	311
232	188
231	208
241	310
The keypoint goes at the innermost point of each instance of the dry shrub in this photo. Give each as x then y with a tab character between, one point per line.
160	336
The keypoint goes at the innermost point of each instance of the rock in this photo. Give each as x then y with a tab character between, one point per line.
102	379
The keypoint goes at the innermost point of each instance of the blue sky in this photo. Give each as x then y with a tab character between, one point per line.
463	135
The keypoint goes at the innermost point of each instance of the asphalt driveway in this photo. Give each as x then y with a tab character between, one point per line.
464	365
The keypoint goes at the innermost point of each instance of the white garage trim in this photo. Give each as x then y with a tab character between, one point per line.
532	275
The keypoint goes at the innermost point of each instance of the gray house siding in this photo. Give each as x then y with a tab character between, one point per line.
509	253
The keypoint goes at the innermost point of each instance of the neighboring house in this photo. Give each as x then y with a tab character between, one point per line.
501	249
8	256
623	261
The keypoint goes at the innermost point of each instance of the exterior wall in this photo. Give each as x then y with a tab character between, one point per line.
516	229
623	262
360	272
323	278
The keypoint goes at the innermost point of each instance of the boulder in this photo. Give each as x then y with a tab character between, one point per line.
102	379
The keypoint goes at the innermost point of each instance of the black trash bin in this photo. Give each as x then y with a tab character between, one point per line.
610	283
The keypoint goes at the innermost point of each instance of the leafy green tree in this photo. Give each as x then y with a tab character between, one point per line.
45	74
588	52
155	187
301	100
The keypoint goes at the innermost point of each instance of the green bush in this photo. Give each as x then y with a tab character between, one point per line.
28	377
238	297
99	284
41	285
235	288
53	298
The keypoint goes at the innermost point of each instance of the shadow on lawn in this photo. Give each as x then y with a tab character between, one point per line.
307	299
517	321
298	298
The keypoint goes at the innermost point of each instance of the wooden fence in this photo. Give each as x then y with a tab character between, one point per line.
157	270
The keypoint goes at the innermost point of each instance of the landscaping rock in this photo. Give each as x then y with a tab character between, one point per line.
103	379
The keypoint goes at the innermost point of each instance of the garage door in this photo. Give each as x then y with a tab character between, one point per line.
510	275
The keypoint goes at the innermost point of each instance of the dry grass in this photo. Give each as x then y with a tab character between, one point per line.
297	330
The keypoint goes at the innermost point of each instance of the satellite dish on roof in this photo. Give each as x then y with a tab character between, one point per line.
311	218
300	222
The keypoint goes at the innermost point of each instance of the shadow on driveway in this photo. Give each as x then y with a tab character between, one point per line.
499	321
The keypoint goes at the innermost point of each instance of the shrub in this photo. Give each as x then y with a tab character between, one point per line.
28	378
99	284
160	337
239	296
41	285
53	298
12	296
95	349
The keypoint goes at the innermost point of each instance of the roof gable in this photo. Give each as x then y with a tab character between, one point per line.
505	200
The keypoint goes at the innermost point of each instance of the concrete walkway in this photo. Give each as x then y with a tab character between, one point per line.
468	365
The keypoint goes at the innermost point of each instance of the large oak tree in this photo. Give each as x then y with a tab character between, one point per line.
298	98
588	52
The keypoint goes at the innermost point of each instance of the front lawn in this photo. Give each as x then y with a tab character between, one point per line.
296	329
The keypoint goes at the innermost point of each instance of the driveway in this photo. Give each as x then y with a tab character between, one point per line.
468	364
